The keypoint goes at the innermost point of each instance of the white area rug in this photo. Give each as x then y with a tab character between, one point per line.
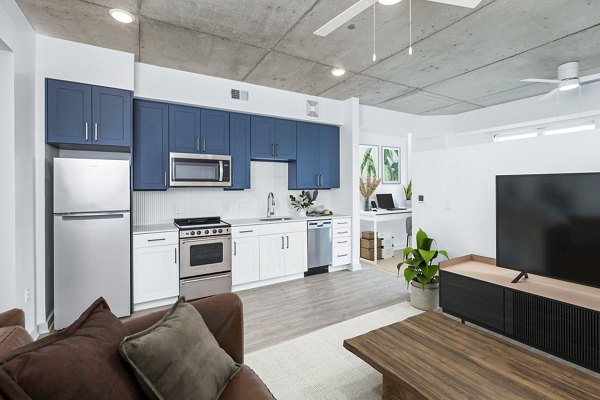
316	366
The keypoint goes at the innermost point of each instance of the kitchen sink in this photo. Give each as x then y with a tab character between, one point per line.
275	219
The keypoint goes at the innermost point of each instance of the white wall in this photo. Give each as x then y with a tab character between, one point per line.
152	82
459	184
18	68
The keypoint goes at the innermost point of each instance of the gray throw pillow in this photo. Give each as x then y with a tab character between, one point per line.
178	357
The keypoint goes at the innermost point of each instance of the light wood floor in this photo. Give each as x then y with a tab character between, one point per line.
277	313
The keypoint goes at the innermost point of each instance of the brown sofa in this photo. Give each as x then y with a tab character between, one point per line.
223	315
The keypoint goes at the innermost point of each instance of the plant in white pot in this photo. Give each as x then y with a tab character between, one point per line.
421	272
408	194
303	202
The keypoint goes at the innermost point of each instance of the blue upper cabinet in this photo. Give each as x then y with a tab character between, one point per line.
150	145
239	139
111	117
68	112
184	129
79	115
214	134
317	164
262	138
273	139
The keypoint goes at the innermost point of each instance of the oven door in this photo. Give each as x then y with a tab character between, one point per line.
200	170
204	256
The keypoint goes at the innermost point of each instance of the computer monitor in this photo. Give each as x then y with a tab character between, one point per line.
385	201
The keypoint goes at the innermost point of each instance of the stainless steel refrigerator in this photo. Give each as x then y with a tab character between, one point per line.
91	237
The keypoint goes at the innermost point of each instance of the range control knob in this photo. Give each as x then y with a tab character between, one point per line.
192	233
199	233
220	230
214	231
206	232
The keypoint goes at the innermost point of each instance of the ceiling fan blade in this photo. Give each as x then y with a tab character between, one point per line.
344	17
460	3
590	78
540	80
549	94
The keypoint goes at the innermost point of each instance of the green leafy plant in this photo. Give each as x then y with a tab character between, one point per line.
390	165
408	190
367	165
419	262
304	201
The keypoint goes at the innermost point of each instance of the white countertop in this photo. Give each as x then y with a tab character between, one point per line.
257	221
385	212
154	228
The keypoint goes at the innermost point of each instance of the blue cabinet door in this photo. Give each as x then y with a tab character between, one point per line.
111	116
215	132
239	146
304	172
184	129
150	145
68	112
262	138
285	139
329	156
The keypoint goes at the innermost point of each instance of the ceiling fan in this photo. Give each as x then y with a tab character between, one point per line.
568	79
362	5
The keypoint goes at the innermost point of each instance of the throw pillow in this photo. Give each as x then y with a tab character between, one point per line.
79	362
179	358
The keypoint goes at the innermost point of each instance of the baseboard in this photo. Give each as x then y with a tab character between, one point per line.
252	285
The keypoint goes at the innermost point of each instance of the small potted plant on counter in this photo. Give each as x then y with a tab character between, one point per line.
408	194
421	273
303	202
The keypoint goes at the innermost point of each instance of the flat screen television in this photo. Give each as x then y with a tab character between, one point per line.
550	225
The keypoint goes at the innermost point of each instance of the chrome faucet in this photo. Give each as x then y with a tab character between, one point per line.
270	205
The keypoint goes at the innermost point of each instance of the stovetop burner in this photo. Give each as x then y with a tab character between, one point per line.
207	226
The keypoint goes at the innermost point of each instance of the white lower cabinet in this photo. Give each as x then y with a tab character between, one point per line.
155	270
295	253
272	256
245	266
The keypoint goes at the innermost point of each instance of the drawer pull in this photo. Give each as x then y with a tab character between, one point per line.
342	255
342	223
156	240
341	233
250	231
343	241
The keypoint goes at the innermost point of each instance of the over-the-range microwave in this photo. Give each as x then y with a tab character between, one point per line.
199	170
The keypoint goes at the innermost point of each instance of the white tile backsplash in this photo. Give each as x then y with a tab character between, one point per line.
157	207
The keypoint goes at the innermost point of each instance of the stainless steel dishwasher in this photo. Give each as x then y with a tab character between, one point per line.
319	246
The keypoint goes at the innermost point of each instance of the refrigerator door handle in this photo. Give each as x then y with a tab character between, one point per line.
92	216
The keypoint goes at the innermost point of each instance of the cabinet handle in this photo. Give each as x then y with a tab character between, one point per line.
96	131
87	131
288	241
342	255
320	180
342	223
276	149
250	231
203	144
273	149
342	233
317	176
165	178
198	143
235	248
344	241
175	255
156	240
282	243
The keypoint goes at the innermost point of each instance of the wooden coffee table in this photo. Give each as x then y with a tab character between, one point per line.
431	356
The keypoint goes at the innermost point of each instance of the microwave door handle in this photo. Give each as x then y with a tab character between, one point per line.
220	171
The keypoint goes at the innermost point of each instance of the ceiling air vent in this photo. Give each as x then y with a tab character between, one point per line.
237	94
312	108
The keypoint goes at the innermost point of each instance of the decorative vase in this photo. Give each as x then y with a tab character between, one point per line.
301	212
367	208
408	203
425	298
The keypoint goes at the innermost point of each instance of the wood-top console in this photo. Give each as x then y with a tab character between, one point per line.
555	316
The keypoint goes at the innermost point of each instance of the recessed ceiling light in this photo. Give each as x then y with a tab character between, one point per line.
122	16
338	71
389	2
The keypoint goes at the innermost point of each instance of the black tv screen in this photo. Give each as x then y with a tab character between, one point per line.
550	225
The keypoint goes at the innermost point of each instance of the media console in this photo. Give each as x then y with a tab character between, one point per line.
557	317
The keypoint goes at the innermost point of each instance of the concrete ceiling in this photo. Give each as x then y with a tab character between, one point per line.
463	59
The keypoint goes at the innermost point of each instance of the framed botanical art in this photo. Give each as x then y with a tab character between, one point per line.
369	161
390	164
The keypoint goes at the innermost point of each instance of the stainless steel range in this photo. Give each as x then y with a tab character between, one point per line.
204	257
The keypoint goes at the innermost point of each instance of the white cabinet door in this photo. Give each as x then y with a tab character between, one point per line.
272	256
155	273
245	265
295	253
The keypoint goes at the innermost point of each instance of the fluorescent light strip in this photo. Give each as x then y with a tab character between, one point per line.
505	138
571	129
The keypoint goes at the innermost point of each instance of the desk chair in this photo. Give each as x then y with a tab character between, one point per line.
408	230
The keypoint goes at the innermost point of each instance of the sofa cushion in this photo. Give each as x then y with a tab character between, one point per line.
178	357
81	361
246	385
13	337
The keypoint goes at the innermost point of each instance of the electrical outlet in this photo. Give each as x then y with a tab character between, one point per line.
27	295
421	198
176	209
226	207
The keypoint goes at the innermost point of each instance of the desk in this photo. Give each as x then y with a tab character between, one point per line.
375	217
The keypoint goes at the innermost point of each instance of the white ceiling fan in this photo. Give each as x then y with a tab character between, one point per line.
568	79
362	5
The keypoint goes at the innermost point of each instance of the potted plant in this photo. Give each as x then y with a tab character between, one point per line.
367	188
303	202
421	272
408	194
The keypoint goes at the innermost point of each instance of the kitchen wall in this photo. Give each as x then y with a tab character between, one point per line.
459	184
17	69
164	206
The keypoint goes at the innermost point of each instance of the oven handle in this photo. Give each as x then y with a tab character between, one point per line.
205	278
204	239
